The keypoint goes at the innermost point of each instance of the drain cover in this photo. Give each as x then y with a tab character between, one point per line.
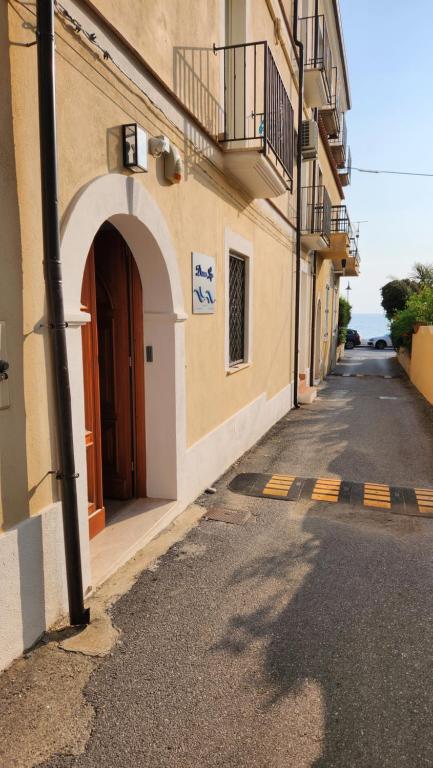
233	516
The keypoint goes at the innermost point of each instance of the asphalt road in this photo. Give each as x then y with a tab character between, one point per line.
302	638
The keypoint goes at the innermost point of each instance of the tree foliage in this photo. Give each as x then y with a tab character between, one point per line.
418	309
423	274
395	295
344	313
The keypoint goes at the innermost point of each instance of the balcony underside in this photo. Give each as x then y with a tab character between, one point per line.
314	241
331	121
315	90
339	245
255	172
352	268
344	178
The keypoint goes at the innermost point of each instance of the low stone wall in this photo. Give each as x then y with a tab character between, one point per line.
404	359
419	365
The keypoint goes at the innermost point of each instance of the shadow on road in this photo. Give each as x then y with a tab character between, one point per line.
359	625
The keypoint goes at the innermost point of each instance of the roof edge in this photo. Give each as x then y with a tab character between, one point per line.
336	5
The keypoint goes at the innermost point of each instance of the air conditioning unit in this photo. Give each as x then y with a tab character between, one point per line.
310	140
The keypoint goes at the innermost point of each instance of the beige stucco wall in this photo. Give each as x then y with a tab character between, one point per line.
421	362
88	148
13	431
174	38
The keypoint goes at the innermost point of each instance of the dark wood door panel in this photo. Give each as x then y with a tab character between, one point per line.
112	289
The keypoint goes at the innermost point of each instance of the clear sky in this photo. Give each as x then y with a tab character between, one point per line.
389	46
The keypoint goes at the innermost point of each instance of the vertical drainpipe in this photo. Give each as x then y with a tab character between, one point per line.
300	47
56	318
314	291
313	320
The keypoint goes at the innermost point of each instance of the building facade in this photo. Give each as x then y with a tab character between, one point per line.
177	156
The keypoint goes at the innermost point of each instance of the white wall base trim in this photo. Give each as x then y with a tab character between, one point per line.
33	578
211	456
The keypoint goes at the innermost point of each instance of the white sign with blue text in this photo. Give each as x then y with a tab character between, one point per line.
203	284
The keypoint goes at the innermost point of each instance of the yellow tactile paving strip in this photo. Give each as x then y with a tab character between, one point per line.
279	485
377	495
326	489
424	498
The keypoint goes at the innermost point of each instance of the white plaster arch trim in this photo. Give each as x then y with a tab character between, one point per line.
105	198
125	202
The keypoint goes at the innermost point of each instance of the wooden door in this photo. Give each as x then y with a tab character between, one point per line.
91	401
115	362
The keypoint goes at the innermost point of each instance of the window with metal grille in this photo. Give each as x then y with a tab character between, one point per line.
237	309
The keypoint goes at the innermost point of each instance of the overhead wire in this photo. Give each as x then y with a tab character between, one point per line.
394	173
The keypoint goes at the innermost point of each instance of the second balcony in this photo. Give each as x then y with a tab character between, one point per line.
318	70
341	233
258	136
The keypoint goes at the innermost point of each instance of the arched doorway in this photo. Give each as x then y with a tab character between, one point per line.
113	373
130	208
318	343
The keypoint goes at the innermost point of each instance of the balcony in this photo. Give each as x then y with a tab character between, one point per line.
331	114
341	235
354	261
317	62
343	246
345	173
258	121
315	218
339	145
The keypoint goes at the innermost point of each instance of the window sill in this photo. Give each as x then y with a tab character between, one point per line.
235	368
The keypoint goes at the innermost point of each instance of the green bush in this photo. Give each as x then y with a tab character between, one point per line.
342	335
396	294
344	313
419	309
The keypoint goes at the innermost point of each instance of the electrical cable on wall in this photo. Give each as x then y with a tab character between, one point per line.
107	56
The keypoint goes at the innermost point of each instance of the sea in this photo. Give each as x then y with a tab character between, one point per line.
368	325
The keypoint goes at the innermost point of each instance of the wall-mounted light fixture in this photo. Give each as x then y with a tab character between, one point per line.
134	148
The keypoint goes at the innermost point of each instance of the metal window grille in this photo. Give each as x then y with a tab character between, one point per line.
237	309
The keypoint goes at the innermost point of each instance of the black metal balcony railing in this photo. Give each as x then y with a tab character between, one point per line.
257	108
332	115
353	248
340	221
346	172
335	92
316	212
339	144
317	51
